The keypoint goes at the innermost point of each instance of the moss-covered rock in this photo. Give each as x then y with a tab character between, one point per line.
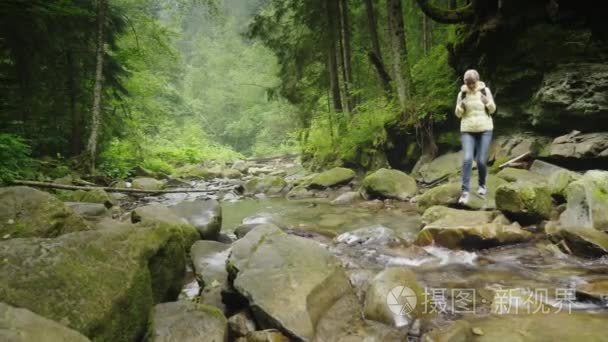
559	182
289	281
187	322
271	185
454	228
448	194
203	214
27	212
92	196
333	177
525	202
159	214
231	174
587	202
22	325
595	289
145	183
440	168
192	171
386	183
520	175
102	283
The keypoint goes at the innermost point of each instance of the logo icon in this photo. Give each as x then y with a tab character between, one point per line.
401	300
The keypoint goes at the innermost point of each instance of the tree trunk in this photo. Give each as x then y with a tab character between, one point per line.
427	35
97	92
452	4
401	68
332	60
375	56
76	134
345	33
459	15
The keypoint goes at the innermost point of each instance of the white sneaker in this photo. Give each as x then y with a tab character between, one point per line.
482	191
464	198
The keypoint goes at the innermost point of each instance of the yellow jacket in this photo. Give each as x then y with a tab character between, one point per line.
474	115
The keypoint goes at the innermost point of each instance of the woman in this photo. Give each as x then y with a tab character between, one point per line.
474	107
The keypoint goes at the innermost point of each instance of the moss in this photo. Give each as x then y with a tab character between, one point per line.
333	177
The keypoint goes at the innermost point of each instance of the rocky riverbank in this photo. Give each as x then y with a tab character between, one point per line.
269	251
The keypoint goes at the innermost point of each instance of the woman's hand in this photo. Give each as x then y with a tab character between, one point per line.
484	99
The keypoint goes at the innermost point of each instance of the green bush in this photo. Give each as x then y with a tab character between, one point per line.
15	158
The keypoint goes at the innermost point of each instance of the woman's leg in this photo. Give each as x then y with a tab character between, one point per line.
468	147
483	150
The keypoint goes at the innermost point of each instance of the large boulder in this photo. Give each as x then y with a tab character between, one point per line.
241	166
386	183
440	168
448	194
146	183
575	92
525	202
231	174
507	147
581	241
587	202
186	321
394	297
22	325
520	175
204	214
92	196
578	146
453	228
333	177
562	326
89	211
27	212
102	283
192	171
209	261
289	281
559	182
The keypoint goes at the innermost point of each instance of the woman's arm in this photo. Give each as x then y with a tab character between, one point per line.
460	109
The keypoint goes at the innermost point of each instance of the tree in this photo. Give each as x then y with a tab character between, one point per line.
451	16
375	55
91	152
347	71
401	67
332	60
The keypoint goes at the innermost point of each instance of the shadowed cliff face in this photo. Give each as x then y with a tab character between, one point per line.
544	60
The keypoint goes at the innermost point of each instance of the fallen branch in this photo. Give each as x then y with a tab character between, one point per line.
514	160
108	189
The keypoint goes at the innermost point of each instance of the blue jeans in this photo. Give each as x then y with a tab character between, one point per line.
475	145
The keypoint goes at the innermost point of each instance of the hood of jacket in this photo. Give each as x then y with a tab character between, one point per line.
480	85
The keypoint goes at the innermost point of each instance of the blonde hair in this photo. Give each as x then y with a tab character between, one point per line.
471	75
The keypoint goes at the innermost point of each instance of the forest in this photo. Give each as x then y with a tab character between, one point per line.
318	170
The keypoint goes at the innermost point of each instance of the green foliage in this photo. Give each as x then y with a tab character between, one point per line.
15	157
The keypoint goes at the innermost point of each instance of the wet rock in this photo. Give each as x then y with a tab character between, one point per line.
269	335
559	182
306	279
101	283
440	168
448	194
525	202
271	185
545	169
587	201
27	212
145	183
564	326
464	229
520	175
394	297
376	236
204	215
241	324
386	183
300	192
585	242
192	171
333	177
243	229
346	198
343	322
22	325
89	211
596	289
209	261
187	322
257	171
508	147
